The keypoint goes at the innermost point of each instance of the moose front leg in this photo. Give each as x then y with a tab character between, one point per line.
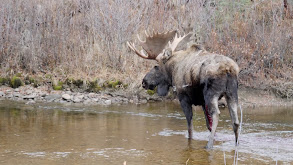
187	109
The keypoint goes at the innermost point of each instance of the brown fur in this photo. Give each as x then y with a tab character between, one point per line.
193	65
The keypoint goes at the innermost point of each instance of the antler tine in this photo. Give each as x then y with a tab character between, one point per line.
176	41
141	53
146	34
139	39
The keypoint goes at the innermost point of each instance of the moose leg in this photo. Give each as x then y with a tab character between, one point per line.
187	109
232	106
208	117
214	111
232	102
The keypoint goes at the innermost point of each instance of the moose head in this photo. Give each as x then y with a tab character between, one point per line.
159	47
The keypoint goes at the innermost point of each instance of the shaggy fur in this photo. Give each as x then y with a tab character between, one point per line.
200	78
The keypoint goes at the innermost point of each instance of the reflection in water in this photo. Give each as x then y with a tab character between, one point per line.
138	134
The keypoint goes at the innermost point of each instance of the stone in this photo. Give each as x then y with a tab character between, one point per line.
30	102
66	96
91	95
52	97
16	94
143	101
96	99
16	90
80	96
31	96
2	93
76	100
108	102
29	91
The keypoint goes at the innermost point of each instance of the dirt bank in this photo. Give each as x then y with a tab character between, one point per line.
249	97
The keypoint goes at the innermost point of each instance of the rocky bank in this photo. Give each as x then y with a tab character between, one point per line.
247	97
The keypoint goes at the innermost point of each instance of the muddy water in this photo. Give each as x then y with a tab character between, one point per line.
138	134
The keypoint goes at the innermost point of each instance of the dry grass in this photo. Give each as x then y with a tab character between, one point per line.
86	38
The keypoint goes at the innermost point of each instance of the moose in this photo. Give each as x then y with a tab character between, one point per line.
199	77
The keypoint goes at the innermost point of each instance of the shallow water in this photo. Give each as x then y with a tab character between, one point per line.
138	134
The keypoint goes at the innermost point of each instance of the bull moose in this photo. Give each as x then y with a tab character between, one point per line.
198	76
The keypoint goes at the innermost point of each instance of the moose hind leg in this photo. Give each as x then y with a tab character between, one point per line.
232	106
187	109
232	102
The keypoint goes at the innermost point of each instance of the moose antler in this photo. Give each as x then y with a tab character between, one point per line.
153	45
179	42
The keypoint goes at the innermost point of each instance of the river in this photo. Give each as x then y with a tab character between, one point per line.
153	133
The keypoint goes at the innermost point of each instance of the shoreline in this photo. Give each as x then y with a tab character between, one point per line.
248	97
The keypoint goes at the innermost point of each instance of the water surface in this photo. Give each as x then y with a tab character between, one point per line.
138	134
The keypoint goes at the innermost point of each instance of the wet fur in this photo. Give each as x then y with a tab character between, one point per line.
200	78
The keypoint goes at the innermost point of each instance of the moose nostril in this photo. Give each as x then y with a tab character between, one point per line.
143	84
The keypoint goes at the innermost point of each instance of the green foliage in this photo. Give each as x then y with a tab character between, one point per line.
16	82
58	86
4	81
112	84
93	86
151	92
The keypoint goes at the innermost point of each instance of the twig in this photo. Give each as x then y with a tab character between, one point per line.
187	161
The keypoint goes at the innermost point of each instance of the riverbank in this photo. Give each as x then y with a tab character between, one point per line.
248	97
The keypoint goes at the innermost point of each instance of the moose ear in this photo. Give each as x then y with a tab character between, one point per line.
163	89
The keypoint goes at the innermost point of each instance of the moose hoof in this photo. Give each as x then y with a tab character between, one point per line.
209	146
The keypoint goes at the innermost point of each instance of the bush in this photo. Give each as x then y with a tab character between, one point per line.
16	82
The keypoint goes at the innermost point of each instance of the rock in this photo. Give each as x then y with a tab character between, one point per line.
68	92
2	93
91	95
16	94
43	94
31	96
108	102
66	96
52	97
80	96
28	92
30	102
16	90
96	99
87	101
76	100
143	101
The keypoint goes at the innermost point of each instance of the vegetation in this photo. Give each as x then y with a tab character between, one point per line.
85	39
16	82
